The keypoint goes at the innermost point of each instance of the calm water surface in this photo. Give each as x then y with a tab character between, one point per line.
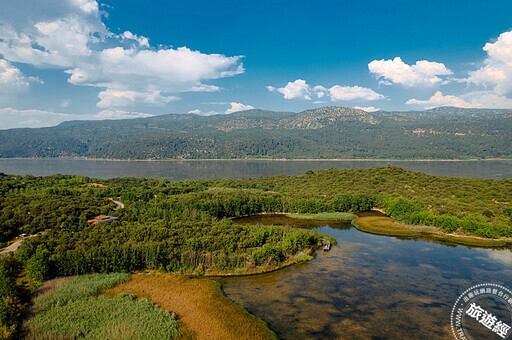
210	169
367	287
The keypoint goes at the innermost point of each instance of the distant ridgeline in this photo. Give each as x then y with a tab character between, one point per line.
329	132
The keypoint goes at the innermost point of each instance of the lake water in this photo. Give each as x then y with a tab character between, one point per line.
367	287
211	169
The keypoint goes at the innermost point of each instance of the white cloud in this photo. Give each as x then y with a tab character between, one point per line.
299	89
353	92
320	91
497	69
438	99
201	113
64	103
13	118
124	67
367	108
294	90
114	98
235	107
143	41
12	80
423	73
88	6
477	99
152	72
60	43
215	103
488	99
116	114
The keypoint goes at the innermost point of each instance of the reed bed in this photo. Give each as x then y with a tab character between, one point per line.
202	309
74	310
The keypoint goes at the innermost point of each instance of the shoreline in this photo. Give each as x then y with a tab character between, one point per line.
393	228
264	159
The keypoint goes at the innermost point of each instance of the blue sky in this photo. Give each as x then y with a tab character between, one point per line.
87	59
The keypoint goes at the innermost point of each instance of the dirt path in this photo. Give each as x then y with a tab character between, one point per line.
119	204
12	247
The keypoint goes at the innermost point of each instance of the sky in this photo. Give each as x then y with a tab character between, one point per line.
85	59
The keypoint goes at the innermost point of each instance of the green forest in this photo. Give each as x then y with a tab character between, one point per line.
329	132
187	227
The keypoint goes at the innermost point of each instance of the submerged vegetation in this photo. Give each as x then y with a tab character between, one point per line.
186	227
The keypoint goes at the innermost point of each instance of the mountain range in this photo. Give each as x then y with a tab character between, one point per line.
327	132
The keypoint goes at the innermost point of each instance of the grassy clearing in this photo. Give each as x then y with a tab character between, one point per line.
72	309
203	311
382	225
324	216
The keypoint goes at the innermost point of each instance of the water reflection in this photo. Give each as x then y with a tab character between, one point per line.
209	169
368	287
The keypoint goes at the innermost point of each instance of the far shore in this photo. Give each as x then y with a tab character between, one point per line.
265	159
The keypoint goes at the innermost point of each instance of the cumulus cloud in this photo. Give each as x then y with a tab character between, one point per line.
497	69
395	71
13	118
438	99
87	6
235	107
353	92
148	71
125	68
299	89
60	43
477	99
141	40
367	108
12	80
489	99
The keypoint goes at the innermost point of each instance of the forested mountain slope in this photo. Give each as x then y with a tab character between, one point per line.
328	132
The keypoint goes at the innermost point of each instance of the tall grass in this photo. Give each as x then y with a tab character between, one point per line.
204	311
74	310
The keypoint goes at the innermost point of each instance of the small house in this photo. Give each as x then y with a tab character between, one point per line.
101	219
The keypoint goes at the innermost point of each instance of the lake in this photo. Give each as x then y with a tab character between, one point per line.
211	169
368	286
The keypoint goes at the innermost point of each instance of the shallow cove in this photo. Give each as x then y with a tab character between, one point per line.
368	286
